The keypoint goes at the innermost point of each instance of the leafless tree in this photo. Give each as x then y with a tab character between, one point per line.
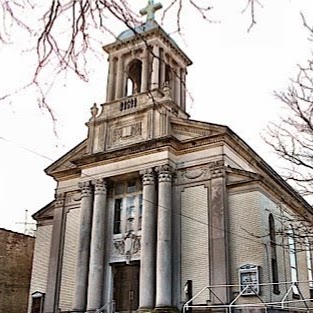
64	32
292	137
292	140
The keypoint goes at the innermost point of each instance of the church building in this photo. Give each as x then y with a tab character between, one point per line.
155	211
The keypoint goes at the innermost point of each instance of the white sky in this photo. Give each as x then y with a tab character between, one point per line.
232	82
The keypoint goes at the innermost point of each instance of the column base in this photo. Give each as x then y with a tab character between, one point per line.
166	309
145	310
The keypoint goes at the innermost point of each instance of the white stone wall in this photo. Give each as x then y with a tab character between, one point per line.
40	261
249	214
270	207
194	240
69	259
244	248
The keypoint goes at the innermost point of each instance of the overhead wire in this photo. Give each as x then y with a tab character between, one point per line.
156	204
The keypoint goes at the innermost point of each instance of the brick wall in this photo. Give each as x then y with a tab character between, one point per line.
194	241
16	253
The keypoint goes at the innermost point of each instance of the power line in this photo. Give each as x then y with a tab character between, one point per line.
156	204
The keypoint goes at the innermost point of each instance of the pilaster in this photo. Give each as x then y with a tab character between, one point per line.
219	231
56	254
83	253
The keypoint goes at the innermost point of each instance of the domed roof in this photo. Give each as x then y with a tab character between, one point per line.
127	34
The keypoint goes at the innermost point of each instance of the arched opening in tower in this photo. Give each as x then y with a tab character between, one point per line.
133	83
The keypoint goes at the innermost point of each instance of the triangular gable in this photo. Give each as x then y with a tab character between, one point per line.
64	163
45	213
238	176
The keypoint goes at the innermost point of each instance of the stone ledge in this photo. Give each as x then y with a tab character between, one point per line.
171	309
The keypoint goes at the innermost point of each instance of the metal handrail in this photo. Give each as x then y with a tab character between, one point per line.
108	307
277	304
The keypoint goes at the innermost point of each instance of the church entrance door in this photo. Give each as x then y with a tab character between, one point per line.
126	288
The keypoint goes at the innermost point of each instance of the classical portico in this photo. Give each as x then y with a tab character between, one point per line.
155	242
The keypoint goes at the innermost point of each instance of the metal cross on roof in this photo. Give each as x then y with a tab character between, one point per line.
150	9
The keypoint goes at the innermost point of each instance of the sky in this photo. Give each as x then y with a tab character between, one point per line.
231	81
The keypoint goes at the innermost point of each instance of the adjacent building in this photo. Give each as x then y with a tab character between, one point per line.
152	207
16	254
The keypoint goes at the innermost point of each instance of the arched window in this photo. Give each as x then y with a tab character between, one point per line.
133	82
309	264
168	75
293	260
275	279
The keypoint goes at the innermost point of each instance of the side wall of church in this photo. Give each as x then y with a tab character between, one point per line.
283	261
40	260
194	240
249	243
69	259
268	206
244	248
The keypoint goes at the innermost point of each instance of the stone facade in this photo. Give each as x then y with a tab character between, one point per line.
154	207
16	254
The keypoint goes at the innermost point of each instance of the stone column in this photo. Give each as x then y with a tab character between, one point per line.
56	255
83	252
164	238
119	78
218	232
178	86
96	265
155	67
145	71
148	242
111	84
183	89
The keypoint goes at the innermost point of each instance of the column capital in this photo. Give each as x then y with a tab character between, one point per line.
59	199
100	186
86	188
148	176
217	169
165	173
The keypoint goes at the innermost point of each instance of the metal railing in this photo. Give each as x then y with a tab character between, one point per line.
107	308
284	303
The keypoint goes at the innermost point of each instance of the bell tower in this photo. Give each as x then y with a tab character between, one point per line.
146	85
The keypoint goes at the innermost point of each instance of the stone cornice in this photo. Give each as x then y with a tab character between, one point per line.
254	181
142	38
182	147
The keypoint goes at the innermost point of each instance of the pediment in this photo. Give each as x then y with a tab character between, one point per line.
65	162
45	213
239	176
189	129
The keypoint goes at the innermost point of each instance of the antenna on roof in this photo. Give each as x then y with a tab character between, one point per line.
29	228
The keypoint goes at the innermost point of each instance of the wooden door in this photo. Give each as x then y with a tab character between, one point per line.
126	288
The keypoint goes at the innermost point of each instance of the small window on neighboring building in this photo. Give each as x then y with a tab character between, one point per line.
275	279
293	260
